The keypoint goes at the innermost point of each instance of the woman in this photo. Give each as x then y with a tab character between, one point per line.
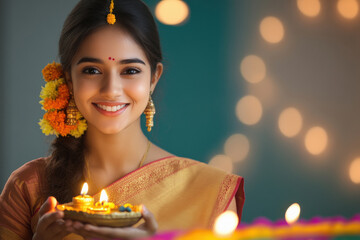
110	64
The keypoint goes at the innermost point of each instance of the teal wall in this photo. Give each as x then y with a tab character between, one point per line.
315	68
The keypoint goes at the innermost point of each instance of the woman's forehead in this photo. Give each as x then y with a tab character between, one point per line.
110	41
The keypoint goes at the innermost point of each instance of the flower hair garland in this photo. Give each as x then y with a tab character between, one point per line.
55	97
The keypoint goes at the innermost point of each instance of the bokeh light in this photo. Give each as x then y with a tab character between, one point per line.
272	29
292	214
249	110
223	162
267	91
225	224
348	8
316	140
172	12
290	122
237	147
354	171
253	69
310	8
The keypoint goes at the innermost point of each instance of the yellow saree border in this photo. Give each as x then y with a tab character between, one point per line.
145	177
232	186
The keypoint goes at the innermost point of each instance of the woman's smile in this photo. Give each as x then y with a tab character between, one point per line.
111	109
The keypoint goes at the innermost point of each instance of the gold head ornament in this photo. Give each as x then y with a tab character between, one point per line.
111	17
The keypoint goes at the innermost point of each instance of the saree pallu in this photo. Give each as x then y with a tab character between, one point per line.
181	193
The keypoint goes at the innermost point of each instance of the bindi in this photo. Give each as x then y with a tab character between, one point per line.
110	58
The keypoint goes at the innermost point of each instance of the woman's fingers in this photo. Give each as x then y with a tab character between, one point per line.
150	224
57	230
51	224
48	206
48	219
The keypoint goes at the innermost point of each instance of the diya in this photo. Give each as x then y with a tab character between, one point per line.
102	213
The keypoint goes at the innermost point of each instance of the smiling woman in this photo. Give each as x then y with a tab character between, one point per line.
108	72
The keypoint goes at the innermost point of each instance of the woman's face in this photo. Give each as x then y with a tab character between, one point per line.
111	80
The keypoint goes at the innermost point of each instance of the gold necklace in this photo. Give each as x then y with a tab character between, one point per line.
140	164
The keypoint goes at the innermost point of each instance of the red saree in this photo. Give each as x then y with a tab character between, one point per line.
181	193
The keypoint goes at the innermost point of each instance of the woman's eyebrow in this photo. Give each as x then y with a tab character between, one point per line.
132	60
97	60
89	59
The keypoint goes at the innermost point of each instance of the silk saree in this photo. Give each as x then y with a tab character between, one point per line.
181	193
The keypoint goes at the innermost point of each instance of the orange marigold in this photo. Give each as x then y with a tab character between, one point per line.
57	121
61	100
52	71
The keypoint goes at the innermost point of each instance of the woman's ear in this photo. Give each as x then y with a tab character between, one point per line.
69	81
156	76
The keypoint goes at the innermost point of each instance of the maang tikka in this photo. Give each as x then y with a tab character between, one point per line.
149	113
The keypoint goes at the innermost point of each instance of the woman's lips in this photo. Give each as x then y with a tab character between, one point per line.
111	109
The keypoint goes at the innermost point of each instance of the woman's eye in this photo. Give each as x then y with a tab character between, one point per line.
91	71
130	71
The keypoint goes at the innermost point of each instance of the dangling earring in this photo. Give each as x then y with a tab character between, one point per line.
149	113
71	112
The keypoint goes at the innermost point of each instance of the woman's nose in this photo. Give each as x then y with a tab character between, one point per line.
112	85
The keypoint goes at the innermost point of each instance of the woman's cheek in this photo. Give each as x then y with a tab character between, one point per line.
138	92
84	87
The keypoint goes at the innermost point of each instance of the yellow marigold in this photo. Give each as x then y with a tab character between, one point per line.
80	128
111	18
46	128
50	90
61	100
52	71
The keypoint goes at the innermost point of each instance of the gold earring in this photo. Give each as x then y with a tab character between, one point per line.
149	113
71	112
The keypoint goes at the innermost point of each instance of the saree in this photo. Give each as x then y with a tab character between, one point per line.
181	193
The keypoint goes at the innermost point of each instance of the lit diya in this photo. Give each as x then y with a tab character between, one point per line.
102	213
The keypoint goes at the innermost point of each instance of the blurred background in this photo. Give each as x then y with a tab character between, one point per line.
265	89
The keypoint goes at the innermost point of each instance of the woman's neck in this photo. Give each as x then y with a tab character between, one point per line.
114	155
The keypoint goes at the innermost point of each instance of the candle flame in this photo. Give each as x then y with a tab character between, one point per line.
225	224
84	189
292	213
103	196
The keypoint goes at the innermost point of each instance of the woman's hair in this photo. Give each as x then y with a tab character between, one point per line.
64	171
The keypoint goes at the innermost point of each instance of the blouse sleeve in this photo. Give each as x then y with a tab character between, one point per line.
18	203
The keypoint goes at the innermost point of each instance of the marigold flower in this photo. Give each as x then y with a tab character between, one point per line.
57	121
55	99
46	128
60	102
80	128
52	71
50	90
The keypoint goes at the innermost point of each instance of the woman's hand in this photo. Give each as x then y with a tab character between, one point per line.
51	224
89	231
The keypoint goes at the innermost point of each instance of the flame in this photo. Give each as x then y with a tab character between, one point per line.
225	224
103	196
292	213
84	189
